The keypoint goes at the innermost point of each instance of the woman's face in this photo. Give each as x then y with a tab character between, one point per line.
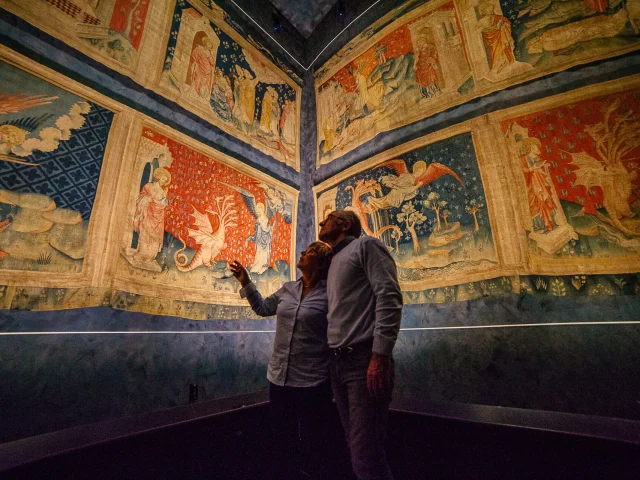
309	260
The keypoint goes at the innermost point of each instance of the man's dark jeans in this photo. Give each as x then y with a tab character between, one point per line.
363	417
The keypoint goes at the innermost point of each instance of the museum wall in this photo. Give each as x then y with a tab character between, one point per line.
100	299
495	206
118	173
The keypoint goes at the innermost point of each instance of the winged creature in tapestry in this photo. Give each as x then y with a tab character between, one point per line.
427	205
192	214
579	163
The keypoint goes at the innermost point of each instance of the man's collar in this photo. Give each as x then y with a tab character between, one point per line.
343	243
322	282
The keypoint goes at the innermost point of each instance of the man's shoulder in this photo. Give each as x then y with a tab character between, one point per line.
370	242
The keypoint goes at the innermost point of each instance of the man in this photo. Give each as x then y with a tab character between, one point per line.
365	308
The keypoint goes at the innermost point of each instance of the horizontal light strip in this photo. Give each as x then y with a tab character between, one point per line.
556	324
180	332
138	332
286	51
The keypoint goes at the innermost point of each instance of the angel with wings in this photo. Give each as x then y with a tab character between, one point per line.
14	133
405	185
263	213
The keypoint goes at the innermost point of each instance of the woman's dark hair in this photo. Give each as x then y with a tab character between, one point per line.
325	255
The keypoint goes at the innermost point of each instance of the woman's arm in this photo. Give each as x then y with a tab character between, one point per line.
265	307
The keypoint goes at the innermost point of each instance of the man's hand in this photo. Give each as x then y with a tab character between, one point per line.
379	376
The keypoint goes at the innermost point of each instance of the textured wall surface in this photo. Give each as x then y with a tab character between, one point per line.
58	381
306	207
589	370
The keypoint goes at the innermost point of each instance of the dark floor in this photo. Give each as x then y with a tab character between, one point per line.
236	445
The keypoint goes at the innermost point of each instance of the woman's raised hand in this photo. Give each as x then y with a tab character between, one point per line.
240	273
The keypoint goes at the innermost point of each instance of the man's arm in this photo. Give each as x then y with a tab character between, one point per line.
381	272
382	275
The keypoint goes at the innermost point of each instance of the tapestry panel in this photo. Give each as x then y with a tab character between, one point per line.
427	202
575	166
53	144
421	59
192	210
215	72
113	32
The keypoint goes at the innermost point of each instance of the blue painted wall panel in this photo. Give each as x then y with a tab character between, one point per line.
51	382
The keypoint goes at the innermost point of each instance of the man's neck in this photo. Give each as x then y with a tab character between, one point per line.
335	242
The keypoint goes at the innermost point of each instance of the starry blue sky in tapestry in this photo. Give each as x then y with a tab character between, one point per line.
70	173
427	205
228	56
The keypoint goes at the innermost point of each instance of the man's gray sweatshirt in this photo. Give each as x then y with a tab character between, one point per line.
365	301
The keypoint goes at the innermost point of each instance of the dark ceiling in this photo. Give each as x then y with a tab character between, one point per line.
305	15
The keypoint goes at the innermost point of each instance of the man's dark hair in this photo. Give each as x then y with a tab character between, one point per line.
349	216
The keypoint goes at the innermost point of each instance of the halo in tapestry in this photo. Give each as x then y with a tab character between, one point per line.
414	63
218	74
108	29
52	144
192	213
427	205
576	164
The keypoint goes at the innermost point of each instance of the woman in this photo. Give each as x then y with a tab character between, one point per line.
298	373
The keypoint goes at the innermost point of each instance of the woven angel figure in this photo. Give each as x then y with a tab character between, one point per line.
404	184
266	221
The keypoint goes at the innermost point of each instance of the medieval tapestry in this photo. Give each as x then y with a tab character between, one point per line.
426	201
218	74
215	8
408	66
192	211
575	163
53	144
112	31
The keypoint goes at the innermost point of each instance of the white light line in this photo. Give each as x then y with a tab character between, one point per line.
327	46
411	329
518	325
138	332
286	51
250	18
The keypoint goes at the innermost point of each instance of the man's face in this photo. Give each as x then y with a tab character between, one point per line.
331	228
